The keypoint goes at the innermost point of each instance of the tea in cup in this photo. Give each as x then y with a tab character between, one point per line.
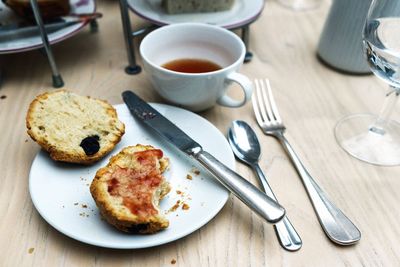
192	64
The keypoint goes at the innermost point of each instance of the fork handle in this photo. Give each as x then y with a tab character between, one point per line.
336	225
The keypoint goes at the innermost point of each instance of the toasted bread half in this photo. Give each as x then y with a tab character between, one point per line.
73	128
48	8
128	190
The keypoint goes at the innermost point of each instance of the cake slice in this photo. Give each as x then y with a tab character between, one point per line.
195	6
128	190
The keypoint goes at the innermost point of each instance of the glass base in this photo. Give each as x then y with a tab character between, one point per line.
357	137
300	5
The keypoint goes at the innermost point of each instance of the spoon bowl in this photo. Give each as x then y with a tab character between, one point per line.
244	142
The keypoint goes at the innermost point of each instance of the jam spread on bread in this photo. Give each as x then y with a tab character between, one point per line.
136	186
129	189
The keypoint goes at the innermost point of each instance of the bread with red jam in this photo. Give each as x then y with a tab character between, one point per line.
48	8
128	190
73	128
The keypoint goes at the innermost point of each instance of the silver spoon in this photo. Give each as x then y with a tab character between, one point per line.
246	147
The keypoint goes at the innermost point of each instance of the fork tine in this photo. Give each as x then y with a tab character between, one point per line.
272	102
265	101
256	109
260	101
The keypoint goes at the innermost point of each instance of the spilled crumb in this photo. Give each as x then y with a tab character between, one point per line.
83	214
84	206
195	171
189	177
175	207
3	97
26	140
30	250
173	261
76	203
181	203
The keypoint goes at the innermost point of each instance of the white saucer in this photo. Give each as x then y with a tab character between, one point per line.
26	43
243	12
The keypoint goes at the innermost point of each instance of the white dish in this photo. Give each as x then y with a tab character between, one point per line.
242	12
55	188
25	43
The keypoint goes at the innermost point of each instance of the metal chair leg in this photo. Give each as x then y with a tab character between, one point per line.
245	37
132	68
1	77
57	79
94	26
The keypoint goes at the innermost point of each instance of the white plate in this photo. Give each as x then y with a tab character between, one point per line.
242	12
21	44
55	188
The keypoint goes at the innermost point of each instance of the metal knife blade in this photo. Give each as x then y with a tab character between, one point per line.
240	187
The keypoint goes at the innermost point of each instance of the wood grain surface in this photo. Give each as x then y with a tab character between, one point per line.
311	99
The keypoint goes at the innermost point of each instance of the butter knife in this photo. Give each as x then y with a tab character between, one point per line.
29	28
250	195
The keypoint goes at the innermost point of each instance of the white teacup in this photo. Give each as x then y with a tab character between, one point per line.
195	91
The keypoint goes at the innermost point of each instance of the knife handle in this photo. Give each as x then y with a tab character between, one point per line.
250	195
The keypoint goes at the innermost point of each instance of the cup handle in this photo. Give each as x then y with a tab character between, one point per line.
246	86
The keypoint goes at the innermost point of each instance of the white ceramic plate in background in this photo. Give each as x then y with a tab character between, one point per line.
20	44
60	191
241	13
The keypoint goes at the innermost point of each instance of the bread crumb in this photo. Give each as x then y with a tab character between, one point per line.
179	192
173	261
189	177
185	206
26	140
174	207
30	250
84	206
195	171
3	97
76	203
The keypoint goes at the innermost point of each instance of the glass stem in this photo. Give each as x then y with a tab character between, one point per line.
386	111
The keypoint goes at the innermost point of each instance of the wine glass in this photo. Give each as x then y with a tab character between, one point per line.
376	139
300	5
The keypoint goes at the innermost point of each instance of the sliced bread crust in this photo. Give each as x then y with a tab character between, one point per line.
127	191
73	128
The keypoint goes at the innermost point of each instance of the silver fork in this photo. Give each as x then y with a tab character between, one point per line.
335	224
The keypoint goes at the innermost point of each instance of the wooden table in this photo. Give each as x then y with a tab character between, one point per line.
311	98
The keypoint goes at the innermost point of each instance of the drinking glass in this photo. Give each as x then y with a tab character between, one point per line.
376	139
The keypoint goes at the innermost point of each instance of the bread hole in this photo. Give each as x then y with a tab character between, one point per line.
42	128
105	132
